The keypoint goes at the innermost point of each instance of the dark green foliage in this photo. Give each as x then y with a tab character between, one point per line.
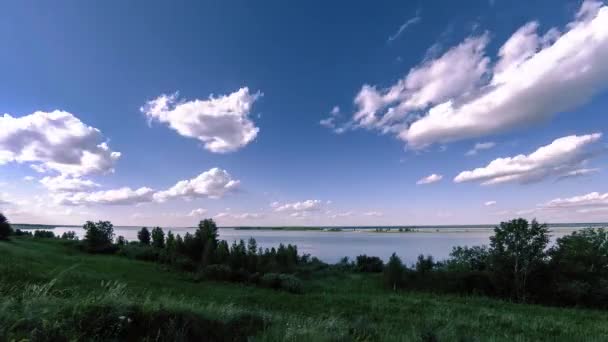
5	227
69	235
44	234
140	252
216	272
158	238
517	249
424	264
121	241
476	258
144	236
99	236
369	264
19	232
393	272
286	282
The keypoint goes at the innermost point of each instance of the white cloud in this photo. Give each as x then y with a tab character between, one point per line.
56	141
308	205
479	147
28	178
579	173
373	213
198	212
462	95
588	203
342	214
559	158
221	123
64	183
121	196
489	203
239	216
433	178
404	26
214	183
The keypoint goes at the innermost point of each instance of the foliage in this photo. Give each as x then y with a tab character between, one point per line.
369	264
44	234
69	235
158	238
144	236
517	249
465	258
99	236
393	272
5	227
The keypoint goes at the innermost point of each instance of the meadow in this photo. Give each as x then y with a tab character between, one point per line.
51	291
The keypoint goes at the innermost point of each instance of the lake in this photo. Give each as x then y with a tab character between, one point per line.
332	246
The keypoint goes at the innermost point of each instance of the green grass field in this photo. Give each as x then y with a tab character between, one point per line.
48	288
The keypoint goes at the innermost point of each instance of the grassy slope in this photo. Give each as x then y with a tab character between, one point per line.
333	307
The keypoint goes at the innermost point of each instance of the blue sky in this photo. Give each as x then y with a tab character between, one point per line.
162	113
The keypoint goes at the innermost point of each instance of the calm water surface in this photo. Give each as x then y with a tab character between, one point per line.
331	246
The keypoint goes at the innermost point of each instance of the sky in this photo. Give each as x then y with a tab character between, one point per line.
303	113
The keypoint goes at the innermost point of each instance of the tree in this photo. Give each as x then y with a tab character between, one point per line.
170	243
5	228
207	235
518	248
393	272
98	236
158	238
144	236
121	241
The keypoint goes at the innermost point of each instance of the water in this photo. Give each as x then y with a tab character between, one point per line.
332	246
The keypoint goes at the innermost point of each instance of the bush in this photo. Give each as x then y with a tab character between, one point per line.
216	272
5	228
44	234
139	252
286	282
369	264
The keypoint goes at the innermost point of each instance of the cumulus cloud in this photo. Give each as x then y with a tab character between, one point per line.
463	94
239	216
304	206
579	173
28	178
198	212
587	203
373	213
479	147
56	141
121	196
65	183
433	178
214	183
489	203
562	156
221	123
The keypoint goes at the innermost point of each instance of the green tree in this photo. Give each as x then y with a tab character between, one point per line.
158	238
98	236
207	235
5	228
517	249
144	236
393	272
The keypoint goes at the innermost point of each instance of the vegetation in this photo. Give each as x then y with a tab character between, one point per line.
5	228
183	289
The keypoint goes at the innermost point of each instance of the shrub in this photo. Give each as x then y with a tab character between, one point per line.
19	232
99	236
5	227
369	264
216	272
286	282
139	252
475	258
44	234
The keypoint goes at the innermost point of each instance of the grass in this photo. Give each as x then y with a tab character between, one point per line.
47	287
